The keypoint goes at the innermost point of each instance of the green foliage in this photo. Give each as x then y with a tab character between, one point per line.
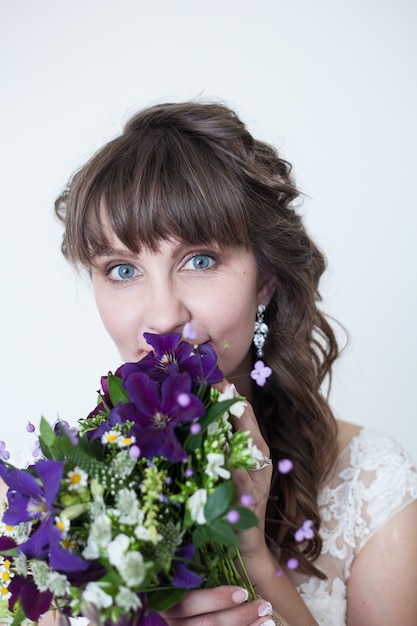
164	599
218	502
117	392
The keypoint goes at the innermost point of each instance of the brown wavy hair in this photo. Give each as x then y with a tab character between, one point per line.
193	171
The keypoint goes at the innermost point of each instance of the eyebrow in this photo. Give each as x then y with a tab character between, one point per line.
181	248
115	252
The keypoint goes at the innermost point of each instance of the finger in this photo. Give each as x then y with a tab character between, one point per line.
208	600
247	421
255	613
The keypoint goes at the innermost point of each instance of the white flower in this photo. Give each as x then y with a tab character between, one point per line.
77	479
5	576
129	564
40	571
146	534
22	532
256	455
213	428
63	525
124	442
122	464
99	537
111	436
20	564
5	595
117	548
132	568
238	408
6	530
196	504
127	507
94	594
128	600
58	584
215	466
97	506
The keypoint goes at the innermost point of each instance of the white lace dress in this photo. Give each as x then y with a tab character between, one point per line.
373	480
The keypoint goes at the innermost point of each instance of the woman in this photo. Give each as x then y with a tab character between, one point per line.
186	218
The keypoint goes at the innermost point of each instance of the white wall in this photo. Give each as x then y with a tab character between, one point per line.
332	83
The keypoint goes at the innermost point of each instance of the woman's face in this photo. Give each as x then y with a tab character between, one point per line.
217	291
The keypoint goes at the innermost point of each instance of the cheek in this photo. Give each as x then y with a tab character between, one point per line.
235	331
115	318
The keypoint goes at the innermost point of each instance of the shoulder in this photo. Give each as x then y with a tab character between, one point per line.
365	448
345	433
375	477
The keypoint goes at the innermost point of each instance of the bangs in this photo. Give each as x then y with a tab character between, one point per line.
164	185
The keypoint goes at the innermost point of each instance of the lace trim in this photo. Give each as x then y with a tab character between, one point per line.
374	479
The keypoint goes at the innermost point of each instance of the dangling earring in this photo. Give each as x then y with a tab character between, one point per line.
260	331
260	371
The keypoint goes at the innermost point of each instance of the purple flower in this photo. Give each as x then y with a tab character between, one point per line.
171	354
246	499
188	331
305	532
195	428
70	431
34	602
156	413
104	394
184	577
285	466
30	500
233	516
260	373
152	619
4	455
37	449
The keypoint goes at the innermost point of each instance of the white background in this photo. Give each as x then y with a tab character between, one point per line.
331	83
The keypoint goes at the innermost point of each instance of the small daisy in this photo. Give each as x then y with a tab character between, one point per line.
6	530
111	436
63	525
77	480
125	442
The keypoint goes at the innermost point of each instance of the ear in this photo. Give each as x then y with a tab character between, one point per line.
267	289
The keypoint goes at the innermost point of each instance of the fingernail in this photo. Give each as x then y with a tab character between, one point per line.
264	609
269	622
240	595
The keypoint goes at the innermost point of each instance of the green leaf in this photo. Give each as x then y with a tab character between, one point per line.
47	433
247	518
13	552
164	599
222	532
200	536
117	392
19	618
193	442
218	501
215	411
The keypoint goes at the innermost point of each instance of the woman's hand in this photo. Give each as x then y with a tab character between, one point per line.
221	606
256	483
261	566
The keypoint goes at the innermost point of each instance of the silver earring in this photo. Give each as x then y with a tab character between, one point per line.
260	331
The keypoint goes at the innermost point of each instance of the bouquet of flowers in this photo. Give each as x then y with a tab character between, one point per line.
122	515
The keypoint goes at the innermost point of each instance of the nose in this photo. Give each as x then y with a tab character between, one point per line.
166	311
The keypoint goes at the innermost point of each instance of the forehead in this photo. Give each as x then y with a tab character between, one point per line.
133	226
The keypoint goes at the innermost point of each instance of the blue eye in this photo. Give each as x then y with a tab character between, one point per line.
200	262
124	271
